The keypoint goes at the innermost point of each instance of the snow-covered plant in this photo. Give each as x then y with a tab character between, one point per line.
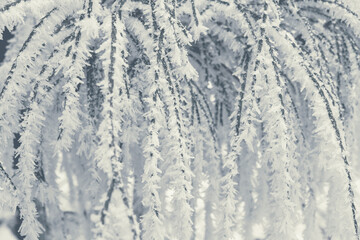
182	119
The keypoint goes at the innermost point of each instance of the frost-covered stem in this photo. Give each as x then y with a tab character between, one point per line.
4	173
183	189
212	194
153	219
278	140
114	96
71	101
181	169
9	5
194	12
18	84
24	46
237	137
343	151
336	130
320	55
341	145
229	203
206	110
183	195
77	54
28	152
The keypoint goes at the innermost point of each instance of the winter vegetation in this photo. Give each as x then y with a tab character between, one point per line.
182	119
